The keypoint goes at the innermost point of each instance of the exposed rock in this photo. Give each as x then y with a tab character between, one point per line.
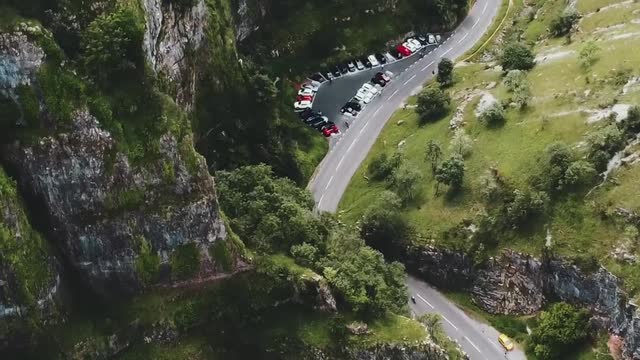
19	60
172	33
425	350
358	328
248	15
443	268
104	215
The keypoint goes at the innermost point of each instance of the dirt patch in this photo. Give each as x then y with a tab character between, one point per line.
553	56
620	112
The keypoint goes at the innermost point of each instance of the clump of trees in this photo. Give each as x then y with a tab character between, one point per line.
451	173
432	104
445	72
603	144
273	215
384	228
461	144
588	54
562	24
382	165
517	56
560	330
517	84
560	168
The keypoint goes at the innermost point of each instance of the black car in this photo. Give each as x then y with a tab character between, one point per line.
306	114
349	110
381	58
366	62
328	74
335	71
354	105
344	69
317	122
352	66
378	81
396	54
422	39
317	77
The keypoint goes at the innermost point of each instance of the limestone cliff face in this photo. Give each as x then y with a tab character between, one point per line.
172	36
514	283
248	14
425	350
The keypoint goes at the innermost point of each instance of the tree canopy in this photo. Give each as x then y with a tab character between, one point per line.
560	329
433	104
516	56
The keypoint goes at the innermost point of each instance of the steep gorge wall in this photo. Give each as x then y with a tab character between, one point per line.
514	283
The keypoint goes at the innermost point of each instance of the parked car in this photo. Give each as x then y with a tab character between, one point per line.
346	109
306	114
396	53
359	65
363	96
432	39
301	105
354	104
383	76
318	122
317	77
336	71
381	58
372	59
422	39
365	61
304	98
351	66
329	128
310	86
305	92
417	44
378	81
438	38
506	342
403	50
411	46
328	75
371	88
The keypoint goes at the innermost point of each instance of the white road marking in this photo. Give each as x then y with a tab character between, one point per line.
365	126
474	345
485	7
328	183
462	38
378	109
450	323
320	201
446	52
425	300
395	92
353	143
474	24
411	78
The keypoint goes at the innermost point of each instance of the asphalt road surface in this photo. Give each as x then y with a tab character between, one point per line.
349	149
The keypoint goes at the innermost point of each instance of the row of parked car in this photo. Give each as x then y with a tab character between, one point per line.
303	104
366	93
408	47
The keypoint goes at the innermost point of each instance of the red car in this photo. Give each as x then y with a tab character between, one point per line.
329	129
403	50
304	98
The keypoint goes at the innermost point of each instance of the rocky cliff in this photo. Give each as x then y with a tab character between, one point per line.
248	15
425	350
173	34
514	283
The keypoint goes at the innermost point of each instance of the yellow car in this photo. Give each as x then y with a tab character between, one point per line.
506	342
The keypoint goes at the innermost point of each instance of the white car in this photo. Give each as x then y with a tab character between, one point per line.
301	105
390	58
433	39
313	85
363	96
370	88
359	65
411	46
305	92
415	42
373	60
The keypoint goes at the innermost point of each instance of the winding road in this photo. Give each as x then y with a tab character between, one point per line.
348	150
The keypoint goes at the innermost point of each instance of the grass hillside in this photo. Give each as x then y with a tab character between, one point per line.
569	101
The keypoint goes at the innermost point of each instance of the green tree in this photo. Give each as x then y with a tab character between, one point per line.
588	54
517	84
406	182
559	168
304	254
112	44
450	172
580	173
560	330
493	115
384	228
517	56
360	276
432	104
461	143
523	206
631	124
603	144
432	321
382	165
433	154
562	24
445	72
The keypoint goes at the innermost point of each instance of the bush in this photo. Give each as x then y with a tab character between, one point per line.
406	181
432	104
304	254
382	166
451	172
492	116
516	83
558	170
185	261
517	56
384	228
560	330
588	54
631	124
524	206
562	24
461	143
603	144
445	72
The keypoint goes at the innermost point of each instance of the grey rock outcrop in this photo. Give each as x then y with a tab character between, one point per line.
441	267
105	214
425	350
19	60
248	15
172	35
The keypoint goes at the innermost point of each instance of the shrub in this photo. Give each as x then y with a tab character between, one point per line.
304	254
517	56
451	172
432	104
185	261
560	330
461	143
631	124
588	54
221	254
445	72
382	166
406	181
562	24
147	263
492	116
384	228
603	144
